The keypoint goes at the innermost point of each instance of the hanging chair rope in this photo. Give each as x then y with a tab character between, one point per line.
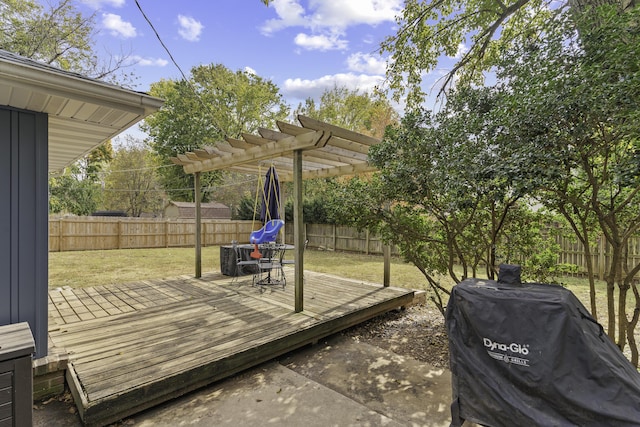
260	190
255	204
267	197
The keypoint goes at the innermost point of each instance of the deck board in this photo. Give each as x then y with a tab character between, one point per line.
132	346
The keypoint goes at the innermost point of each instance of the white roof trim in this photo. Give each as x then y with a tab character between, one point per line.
83	112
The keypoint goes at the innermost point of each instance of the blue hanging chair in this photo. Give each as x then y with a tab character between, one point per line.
267	233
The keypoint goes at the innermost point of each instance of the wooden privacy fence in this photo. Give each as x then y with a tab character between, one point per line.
103	233
343	238
571	252
100	233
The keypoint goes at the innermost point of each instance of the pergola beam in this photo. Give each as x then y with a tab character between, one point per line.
256	154
343	170
317	125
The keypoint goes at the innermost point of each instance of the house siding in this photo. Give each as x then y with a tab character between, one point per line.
24	222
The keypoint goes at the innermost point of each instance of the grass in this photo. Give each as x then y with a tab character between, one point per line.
92	268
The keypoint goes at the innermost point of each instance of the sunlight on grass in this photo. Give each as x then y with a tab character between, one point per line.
92	268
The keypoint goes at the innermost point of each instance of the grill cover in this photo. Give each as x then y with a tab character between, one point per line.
531	355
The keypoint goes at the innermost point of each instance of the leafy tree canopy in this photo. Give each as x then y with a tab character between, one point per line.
71	194
214	104
130	184
59	35
350	109
574	96
474	32
445	195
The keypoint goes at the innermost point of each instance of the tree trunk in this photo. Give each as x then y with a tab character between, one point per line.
592	282
623	289
581	231
611	309
613	277
631	326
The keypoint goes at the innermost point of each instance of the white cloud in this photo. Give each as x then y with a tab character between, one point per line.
290	14
462	49
326	21
306	88
99	4
321	42
148	62
369	39
333	14
118	27
366	63
250	70
340	13
190	29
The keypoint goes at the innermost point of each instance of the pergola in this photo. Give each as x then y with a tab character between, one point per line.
314	149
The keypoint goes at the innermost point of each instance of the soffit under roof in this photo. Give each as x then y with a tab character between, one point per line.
83	112
327	151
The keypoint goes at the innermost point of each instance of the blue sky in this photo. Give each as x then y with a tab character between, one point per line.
304	47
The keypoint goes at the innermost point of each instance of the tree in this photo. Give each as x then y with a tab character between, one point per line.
94	162
350	109
430	29
246	208
77	189
359	112
445	195
69	193
130	184
574	99
57	35
214	104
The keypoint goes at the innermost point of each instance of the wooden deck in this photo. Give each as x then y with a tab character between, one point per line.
133	346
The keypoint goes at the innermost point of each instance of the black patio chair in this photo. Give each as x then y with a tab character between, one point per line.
244	267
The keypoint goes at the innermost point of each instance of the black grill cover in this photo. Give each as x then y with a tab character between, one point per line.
531	355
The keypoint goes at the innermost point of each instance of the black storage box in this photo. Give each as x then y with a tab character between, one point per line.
16	375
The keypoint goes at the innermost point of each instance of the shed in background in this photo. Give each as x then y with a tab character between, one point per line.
187	210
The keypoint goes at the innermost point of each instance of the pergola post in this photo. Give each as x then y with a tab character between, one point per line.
386	250
298	231
198	237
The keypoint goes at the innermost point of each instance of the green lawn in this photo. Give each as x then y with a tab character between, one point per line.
91	268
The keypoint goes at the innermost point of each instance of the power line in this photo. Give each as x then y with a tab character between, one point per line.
209	188
138	169
160	40
187	81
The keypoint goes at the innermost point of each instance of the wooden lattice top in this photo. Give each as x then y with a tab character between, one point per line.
327	150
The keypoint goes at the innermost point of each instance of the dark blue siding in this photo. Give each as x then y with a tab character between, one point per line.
23	222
